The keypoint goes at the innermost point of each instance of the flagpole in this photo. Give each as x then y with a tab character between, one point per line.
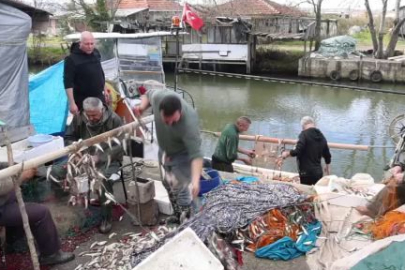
177	59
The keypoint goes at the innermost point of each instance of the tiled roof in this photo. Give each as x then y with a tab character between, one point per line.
153	5
256	8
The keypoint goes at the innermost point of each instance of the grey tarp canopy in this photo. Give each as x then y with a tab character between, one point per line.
15	26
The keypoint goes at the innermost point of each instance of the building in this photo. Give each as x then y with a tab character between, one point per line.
145	15
233	29
39	17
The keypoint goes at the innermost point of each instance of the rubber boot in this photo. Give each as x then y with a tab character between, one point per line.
185	213
58	257
175	218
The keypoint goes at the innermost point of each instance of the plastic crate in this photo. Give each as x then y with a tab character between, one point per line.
206	185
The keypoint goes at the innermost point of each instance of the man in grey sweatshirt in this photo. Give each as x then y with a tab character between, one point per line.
179	140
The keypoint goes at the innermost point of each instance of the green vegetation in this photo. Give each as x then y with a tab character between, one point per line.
45	50
274	61
45	55
364	39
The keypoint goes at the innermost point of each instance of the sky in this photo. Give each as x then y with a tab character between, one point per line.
327	4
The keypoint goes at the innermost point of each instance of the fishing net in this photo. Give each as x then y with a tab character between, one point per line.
337	46
392	223
230	207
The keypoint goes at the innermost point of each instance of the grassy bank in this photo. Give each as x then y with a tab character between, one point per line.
45	55
45	50
275	61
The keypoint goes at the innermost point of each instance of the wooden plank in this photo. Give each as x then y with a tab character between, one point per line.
293	142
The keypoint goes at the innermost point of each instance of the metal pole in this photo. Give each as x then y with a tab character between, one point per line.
177	59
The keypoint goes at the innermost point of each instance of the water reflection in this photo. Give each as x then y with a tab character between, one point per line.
344	116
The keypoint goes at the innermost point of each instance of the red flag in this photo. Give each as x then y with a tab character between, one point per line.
190	17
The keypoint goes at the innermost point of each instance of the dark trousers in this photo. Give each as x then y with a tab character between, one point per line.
221	166
42	226
310	179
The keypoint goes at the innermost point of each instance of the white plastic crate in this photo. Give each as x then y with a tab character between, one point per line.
185	251
162	199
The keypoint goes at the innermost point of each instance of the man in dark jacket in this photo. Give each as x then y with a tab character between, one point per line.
42	226
83	75
95	119
310	149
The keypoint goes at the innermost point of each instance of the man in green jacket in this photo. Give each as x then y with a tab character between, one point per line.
95	119
179	140
227	148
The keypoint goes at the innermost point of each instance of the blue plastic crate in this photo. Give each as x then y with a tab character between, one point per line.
208	185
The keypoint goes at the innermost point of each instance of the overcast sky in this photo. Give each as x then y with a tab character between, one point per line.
327	4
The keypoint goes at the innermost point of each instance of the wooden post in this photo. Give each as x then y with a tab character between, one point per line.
21	204
249	55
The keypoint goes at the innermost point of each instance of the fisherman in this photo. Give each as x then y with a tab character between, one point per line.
226	151
42	226
95	119
309	150
390	197
179	142
83	74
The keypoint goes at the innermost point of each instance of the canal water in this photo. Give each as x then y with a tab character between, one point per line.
344	116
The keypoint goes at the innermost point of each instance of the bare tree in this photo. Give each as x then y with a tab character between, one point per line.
378	37
398	23
317	7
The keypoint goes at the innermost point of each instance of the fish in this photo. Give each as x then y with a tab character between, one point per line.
116	140
98	147
79	267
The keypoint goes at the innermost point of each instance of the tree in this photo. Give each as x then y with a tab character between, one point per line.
317	7
100	15
378	37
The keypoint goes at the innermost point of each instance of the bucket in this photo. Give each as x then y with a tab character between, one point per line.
208	185
39	139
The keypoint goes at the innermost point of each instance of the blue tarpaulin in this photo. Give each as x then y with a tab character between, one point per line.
48	100
287	249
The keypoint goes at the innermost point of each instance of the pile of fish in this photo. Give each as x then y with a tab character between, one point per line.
117	255
231	207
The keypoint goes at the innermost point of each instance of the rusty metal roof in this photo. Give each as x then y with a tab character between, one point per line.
254	8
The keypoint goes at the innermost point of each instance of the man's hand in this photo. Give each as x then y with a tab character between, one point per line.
251	153
195	188
73	108
327	169
247	161
28	174
285	154
138	111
